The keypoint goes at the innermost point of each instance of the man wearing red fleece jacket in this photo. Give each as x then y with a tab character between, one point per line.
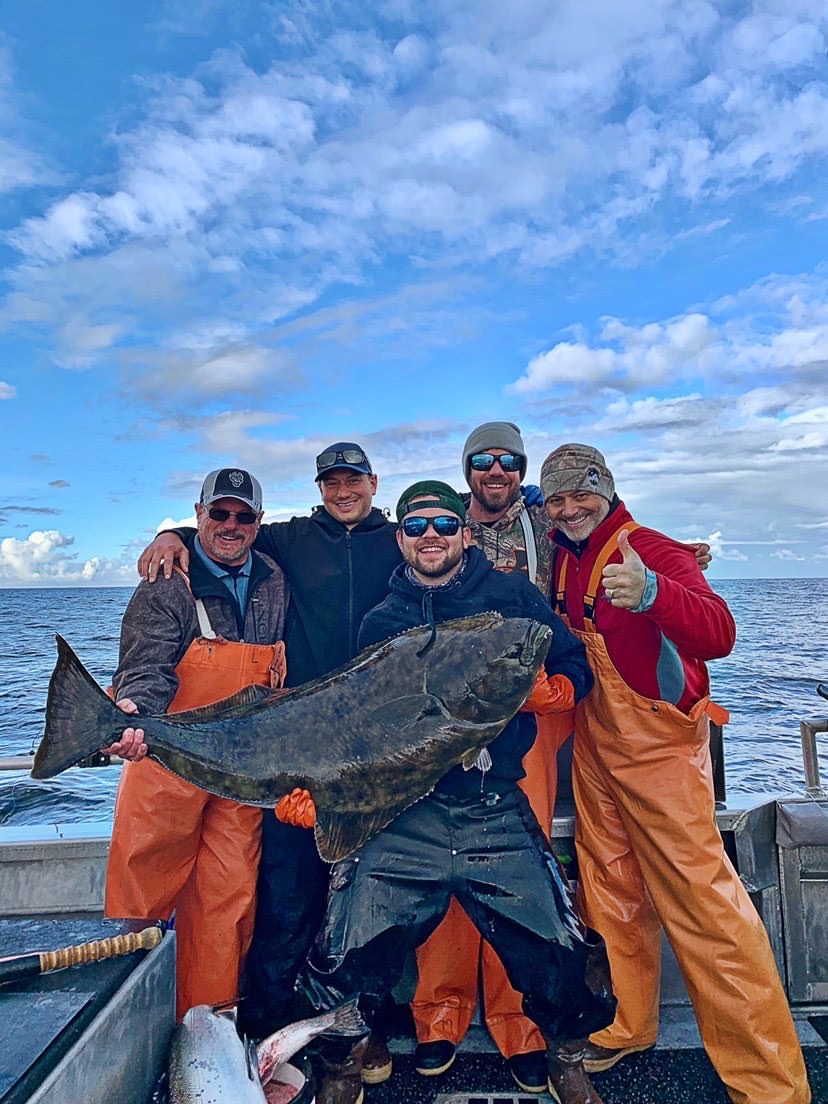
649	851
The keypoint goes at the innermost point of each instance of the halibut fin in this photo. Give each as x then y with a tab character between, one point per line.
237	705
78	713
338	834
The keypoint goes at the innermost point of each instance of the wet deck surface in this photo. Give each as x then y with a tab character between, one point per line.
657	1077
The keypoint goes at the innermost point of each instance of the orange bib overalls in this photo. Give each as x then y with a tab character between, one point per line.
650	854
177	847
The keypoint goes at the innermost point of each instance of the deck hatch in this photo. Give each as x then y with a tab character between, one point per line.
485	1098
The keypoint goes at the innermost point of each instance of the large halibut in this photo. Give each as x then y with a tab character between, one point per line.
367	741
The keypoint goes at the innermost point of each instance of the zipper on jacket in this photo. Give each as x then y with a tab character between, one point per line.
352	628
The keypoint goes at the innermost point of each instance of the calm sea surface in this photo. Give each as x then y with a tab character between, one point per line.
768	683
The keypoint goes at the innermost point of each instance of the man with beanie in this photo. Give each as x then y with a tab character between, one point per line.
474	836
456	959
186	642
649	851
337	562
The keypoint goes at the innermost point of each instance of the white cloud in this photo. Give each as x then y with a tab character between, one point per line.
7	390
567	362
645	354
20	166
41	559
535	111
788	555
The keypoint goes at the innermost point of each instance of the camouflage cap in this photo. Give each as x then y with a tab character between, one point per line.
573	468
434	494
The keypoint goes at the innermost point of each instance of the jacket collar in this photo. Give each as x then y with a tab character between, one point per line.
375	520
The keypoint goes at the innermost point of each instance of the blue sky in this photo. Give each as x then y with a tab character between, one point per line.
236	232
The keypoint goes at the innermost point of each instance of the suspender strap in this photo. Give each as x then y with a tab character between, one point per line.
204	625
531	544
609	548
560	593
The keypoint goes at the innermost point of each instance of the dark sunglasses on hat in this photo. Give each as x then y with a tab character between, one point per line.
243	517
444	526
509	461
342	456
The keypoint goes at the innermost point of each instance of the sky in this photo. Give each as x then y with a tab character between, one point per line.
234	232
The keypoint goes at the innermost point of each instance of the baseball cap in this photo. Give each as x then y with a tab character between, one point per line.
343	454
232	483
433	493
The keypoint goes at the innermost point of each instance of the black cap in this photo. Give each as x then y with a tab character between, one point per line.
343	454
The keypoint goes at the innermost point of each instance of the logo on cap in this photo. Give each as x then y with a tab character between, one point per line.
594	476
236	478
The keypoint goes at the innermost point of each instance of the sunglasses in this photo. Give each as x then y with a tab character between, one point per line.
442	526
509	462
243	517
343	456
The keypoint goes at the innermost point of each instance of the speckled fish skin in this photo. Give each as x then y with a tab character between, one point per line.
209	1063
367	741
278	1048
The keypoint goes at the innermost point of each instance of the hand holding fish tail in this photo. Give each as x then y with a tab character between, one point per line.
550	694
296	808
131	744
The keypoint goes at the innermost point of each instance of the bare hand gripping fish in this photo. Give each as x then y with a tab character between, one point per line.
367	740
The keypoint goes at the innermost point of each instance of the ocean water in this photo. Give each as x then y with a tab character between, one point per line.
768	683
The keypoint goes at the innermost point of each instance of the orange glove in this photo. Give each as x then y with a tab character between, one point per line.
296	808
552	694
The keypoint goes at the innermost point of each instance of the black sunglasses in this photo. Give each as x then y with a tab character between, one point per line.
443	526
509	461
243	517
343	456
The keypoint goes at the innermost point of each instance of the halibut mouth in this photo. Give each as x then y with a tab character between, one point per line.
367	740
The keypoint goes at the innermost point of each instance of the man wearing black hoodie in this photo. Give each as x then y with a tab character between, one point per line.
474	836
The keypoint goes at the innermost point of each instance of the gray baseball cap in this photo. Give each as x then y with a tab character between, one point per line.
232	483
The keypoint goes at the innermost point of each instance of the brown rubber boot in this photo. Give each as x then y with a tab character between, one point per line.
377	1063
342	1081
569	1082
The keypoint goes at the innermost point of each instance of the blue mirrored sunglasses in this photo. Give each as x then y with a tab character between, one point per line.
509	461
443	526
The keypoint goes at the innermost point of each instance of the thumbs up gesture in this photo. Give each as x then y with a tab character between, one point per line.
624	583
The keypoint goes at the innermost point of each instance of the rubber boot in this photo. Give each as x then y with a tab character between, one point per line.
342	1080
569	1082
377	1063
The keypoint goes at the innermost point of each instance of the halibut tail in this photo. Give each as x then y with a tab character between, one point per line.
79	716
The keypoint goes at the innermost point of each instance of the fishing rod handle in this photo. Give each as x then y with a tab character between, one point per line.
99	949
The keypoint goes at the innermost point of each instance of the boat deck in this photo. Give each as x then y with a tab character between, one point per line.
660	1077
666	1075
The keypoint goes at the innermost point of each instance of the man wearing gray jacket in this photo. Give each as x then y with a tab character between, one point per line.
187	641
